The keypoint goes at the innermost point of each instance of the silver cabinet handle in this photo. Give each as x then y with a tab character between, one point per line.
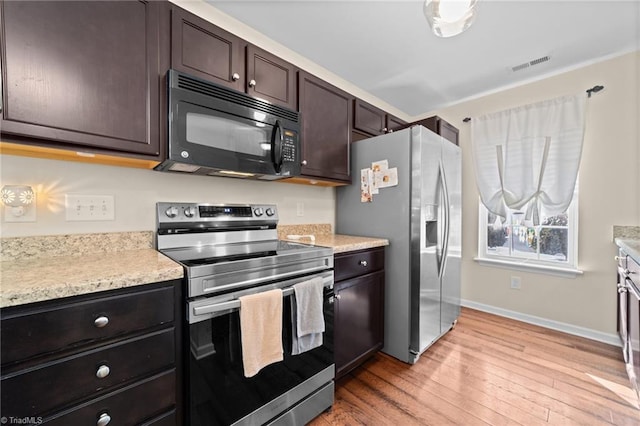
304	162
363	263
101	321
104	419
103	371
252	83
235	76
385	130
337	296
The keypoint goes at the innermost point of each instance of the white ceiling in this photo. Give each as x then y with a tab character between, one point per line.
386	47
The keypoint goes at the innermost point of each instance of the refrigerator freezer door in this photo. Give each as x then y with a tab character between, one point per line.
386	216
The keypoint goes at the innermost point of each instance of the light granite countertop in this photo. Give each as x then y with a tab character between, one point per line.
29	273
326	238
345	243
630	246
34	269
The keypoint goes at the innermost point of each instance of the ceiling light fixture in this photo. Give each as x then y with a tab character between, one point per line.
448	18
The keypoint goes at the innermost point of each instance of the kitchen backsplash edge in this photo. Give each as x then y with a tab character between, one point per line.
632	232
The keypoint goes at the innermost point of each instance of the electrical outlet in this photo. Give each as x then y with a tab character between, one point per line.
300	208
89	207
515	283
21	214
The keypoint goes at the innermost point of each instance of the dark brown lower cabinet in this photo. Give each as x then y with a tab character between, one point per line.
117	358
359	308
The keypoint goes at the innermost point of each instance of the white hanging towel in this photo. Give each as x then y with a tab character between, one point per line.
261	330
306	315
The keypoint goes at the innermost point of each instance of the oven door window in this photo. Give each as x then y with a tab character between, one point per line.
219	392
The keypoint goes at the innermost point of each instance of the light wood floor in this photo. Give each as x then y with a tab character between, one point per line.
491	370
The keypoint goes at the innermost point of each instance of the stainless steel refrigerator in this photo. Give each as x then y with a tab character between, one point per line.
421	218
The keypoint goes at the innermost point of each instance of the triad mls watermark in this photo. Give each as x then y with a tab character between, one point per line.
27	420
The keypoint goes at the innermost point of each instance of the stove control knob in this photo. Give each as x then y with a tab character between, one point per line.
258	212
270	212
172	212
190	211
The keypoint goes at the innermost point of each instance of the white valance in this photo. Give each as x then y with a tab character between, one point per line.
527	158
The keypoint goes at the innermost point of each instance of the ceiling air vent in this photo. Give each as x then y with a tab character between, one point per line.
530	63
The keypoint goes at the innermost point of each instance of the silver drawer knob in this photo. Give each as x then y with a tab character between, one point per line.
235	76
252	83
304	162
363	263
104	419
102	372
101	321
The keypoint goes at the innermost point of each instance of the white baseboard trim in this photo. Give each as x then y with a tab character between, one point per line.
611	339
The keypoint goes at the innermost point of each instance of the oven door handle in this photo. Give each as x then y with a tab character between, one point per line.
235	304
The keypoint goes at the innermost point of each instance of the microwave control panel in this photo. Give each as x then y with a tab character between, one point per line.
290	147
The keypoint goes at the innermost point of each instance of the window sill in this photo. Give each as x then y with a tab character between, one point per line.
529	267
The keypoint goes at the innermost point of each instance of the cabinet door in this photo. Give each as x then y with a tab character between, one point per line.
394	123
441	127
270	78
369	119
203	50
83	73
326	129
449	132
359	320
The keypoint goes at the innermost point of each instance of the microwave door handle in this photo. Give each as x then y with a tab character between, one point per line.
276	159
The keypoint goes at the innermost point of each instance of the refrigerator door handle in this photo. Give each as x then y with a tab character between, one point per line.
447	207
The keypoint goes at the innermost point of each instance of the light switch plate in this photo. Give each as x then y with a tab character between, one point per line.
80	207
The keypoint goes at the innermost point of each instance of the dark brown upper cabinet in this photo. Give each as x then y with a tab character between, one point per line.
82	74
204	50
368	119
394	123
441	127
270	78
326	129
373	121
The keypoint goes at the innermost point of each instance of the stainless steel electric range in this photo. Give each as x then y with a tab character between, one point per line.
230	251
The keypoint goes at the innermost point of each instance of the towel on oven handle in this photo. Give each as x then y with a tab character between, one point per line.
261	330
307	318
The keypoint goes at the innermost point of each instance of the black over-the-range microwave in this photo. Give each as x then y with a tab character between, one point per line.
217	131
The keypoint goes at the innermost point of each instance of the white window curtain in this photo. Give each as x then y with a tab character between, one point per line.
527	158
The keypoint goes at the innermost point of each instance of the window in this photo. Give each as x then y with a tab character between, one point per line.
515	242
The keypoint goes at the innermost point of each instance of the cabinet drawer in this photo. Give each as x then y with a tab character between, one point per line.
166	419
129	406
40	390
357	263
26	332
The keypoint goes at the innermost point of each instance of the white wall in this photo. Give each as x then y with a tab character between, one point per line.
137	190
609	195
